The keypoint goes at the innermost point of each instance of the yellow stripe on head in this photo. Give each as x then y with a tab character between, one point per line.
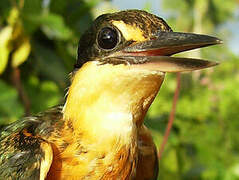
130	32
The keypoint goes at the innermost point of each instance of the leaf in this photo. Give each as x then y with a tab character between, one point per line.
5	7
54	27
13	16
59	6
32	7
30	10
10	108
22	52
5	37
50	64
45	94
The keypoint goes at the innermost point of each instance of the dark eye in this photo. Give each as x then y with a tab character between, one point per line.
107	38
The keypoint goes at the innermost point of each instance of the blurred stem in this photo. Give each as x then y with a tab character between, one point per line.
16	78
171	116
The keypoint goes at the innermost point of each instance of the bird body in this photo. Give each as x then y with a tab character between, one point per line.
95	134
105	136
99	132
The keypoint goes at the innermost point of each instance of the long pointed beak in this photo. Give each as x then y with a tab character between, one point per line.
154	54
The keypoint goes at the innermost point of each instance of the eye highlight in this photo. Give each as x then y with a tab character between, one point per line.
107	38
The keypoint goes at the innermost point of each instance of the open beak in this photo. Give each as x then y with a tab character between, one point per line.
154	54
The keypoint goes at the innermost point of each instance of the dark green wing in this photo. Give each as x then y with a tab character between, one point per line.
24	155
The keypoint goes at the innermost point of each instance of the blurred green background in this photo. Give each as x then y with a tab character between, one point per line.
38	44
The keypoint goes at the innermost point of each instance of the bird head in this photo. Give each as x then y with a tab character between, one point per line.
122	59
135	37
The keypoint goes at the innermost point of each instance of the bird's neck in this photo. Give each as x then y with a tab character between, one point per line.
108	101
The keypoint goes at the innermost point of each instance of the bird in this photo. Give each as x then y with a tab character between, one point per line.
99	131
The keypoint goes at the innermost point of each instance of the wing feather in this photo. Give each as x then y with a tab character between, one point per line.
147	167
24	157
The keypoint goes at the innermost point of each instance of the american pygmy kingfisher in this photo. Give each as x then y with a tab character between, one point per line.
99	132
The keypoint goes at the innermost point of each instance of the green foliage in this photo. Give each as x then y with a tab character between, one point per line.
204	141
10	107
